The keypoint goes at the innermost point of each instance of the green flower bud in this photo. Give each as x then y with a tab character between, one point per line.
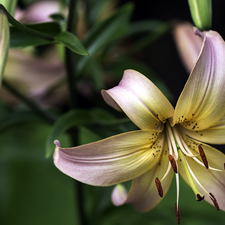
201	12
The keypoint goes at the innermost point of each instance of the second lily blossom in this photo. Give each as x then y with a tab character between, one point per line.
169	140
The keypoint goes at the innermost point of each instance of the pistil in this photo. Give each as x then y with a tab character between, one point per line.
191	182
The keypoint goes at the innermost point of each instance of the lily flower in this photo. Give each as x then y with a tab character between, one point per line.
170	141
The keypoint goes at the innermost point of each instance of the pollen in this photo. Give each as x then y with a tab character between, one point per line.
177	213
173	163
199	197
203	156
159	187
212	197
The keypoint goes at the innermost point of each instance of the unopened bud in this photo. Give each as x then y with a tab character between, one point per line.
201	12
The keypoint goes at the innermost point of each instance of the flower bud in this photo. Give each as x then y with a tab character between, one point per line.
201	12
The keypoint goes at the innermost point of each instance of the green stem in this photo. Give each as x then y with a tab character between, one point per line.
70	67
47	117
25	29
70	56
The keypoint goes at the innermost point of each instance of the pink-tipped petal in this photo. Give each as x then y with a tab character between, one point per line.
119	195
188	44
140	99
112	160
202	102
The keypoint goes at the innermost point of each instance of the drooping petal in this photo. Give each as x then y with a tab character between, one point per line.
143	194
140	99
212	135
212	181
202	102
112	160
188	44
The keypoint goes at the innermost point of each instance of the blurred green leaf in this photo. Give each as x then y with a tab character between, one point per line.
68	120
71	42
86	136
19	39
105	32
153	26
32	190
16	118
78	117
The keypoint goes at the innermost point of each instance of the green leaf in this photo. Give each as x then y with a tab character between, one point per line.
105	32
19	39
80	117
14	119
71	42
68	120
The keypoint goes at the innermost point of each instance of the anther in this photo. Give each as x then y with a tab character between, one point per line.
159	187
173	163
177	213
202	154
199	197
214	201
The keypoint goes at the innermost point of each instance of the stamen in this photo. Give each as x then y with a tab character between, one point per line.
202	154
214	201
177	213
173	163
199	197
159	187
172	141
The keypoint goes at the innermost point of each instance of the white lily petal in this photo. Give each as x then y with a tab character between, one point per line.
143	193
112	160
210	135
202	102
212	181
140	99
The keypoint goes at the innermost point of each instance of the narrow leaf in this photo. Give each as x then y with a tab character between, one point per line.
71	42
71	119
20	39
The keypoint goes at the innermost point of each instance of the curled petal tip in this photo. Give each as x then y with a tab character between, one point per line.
198	32
57	143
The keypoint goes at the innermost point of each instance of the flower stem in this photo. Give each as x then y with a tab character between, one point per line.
70	56
47	117
23	28
70	68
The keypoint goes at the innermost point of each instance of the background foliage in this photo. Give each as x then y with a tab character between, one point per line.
114	36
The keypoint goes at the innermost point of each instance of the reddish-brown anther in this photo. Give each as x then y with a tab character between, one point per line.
177	213
159	187
214	201
202	154
173	163
200	198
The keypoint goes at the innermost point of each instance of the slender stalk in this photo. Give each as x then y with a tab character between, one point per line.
25	29
47	117
70	56
70	67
